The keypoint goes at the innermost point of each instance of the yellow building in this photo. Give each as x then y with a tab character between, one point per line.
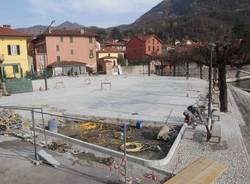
13	53
107	60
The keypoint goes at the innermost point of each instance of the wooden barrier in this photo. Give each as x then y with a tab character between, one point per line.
203	171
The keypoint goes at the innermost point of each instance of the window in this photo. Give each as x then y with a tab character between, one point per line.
149	48
72	52
91	53
71	39
15	69
153	41
57	48
42	58
153	48
90	39
158	49
13	50
61	38
58	58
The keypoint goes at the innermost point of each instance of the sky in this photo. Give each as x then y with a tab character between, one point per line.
102	13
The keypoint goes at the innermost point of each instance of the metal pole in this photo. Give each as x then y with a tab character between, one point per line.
125	152
149	68
34	133
45	77
187	69
45	137
210	84
45	67
161	67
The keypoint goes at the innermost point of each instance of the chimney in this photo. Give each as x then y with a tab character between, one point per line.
82	31
6	26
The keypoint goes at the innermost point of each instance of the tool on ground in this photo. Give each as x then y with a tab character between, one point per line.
194	117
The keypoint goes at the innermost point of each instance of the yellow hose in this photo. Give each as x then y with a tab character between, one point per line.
87	126
132	147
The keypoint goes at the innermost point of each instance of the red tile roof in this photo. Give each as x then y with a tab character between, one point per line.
146	37
64	32
108	57
114	44
109	49
11	32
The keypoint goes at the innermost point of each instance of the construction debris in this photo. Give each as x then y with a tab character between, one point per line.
164	133
61	148
9	120
110	136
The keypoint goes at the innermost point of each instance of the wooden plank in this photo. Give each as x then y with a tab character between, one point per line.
202	171
209	175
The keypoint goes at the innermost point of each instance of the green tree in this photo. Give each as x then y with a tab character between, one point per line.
121	60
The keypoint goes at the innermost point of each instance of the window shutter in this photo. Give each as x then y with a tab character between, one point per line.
9	50
18	50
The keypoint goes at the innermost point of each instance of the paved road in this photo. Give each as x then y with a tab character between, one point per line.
16	168
242	100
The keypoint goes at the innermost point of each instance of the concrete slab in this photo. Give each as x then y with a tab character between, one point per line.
48	158
133	97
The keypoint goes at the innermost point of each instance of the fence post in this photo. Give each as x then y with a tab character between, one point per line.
45	137
34	133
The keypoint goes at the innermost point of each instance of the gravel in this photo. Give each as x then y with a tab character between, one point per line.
231	151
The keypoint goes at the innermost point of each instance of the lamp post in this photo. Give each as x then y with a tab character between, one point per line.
188	43
44	64
211	46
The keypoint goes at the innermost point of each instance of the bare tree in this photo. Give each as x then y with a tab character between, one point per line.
233	53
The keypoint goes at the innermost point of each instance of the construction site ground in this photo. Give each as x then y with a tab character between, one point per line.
132	97
16	167
147	98
110	136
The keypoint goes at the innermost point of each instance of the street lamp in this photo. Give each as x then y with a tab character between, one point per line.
44	64
188	43
211	46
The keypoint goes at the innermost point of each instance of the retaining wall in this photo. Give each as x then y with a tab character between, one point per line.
95	148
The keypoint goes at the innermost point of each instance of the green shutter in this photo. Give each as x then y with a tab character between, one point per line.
18	49
9	50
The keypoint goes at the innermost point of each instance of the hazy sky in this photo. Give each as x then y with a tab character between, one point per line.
104	13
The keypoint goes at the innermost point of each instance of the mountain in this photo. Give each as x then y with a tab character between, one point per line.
178	19
38	29
69	25
34	30
196	19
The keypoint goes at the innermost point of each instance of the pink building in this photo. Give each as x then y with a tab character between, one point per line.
65	51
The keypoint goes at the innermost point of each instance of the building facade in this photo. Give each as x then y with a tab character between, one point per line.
108	60
141	46
72	46
13	53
